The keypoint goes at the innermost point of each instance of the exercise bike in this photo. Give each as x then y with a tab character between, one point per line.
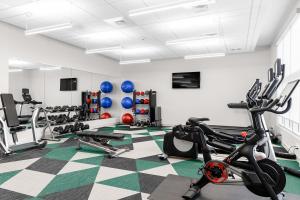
260	175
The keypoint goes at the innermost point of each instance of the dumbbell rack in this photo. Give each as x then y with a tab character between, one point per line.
139	116
88	108
63	125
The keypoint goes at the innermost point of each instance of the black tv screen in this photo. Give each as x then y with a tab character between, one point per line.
68	84
186	80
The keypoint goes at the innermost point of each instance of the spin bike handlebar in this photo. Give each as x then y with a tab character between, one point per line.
269	107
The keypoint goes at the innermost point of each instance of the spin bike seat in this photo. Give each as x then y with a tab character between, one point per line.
196	121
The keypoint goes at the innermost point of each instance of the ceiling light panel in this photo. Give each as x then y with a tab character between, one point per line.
46	29
184	28
128	62
208	55
100	9
169	6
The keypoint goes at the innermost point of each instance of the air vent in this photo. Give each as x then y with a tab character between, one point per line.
200	8
116	22
236	49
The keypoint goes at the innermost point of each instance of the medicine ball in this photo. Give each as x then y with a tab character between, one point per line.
127	102
106	102
127	86
127	118
105	115
106	87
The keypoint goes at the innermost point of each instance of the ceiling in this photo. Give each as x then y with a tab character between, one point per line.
241	25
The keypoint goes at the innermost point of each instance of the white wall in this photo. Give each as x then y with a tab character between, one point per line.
223	80
41	49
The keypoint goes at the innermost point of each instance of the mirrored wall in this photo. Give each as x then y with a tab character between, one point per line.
44	83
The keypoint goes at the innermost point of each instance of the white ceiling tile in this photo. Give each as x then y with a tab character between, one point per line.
145	36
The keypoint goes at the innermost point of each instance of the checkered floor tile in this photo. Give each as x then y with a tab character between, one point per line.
61	172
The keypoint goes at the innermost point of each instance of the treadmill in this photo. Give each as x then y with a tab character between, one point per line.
27	100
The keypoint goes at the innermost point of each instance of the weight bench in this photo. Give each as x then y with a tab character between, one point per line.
100	140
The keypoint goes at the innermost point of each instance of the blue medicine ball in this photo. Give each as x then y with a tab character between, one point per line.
127	102
127	86
106	102
106	87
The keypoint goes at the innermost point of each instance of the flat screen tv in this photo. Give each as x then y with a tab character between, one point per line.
68	84
186	80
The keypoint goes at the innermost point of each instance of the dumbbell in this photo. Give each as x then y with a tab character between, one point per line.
142	101
142	111
146	101
137	111
137	101
146	111
137	93
147	92
138	123
59	129
142	93
66	129
64	108
86	127
56	109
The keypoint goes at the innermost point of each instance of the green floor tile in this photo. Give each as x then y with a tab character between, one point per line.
53	146
93	161
65	153
8	175
89	149
158	137
293	182
145	164
130	182
70	180
188	168
116	143
160	144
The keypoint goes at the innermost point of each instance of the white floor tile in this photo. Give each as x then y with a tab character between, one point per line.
100	191
154	133
106	173
82	155
28	182
161	171
142	149
75	166
17	165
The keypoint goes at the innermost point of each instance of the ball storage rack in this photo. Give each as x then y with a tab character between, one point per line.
95	103
145	119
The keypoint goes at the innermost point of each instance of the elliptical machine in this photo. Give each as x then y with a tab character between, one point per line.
260	175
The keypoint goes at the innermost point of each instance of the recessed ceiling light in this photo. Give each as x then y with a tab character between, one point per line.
169	6
209	55
15	70
48	29
192	39
18	63
102	50
49	68
127	62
